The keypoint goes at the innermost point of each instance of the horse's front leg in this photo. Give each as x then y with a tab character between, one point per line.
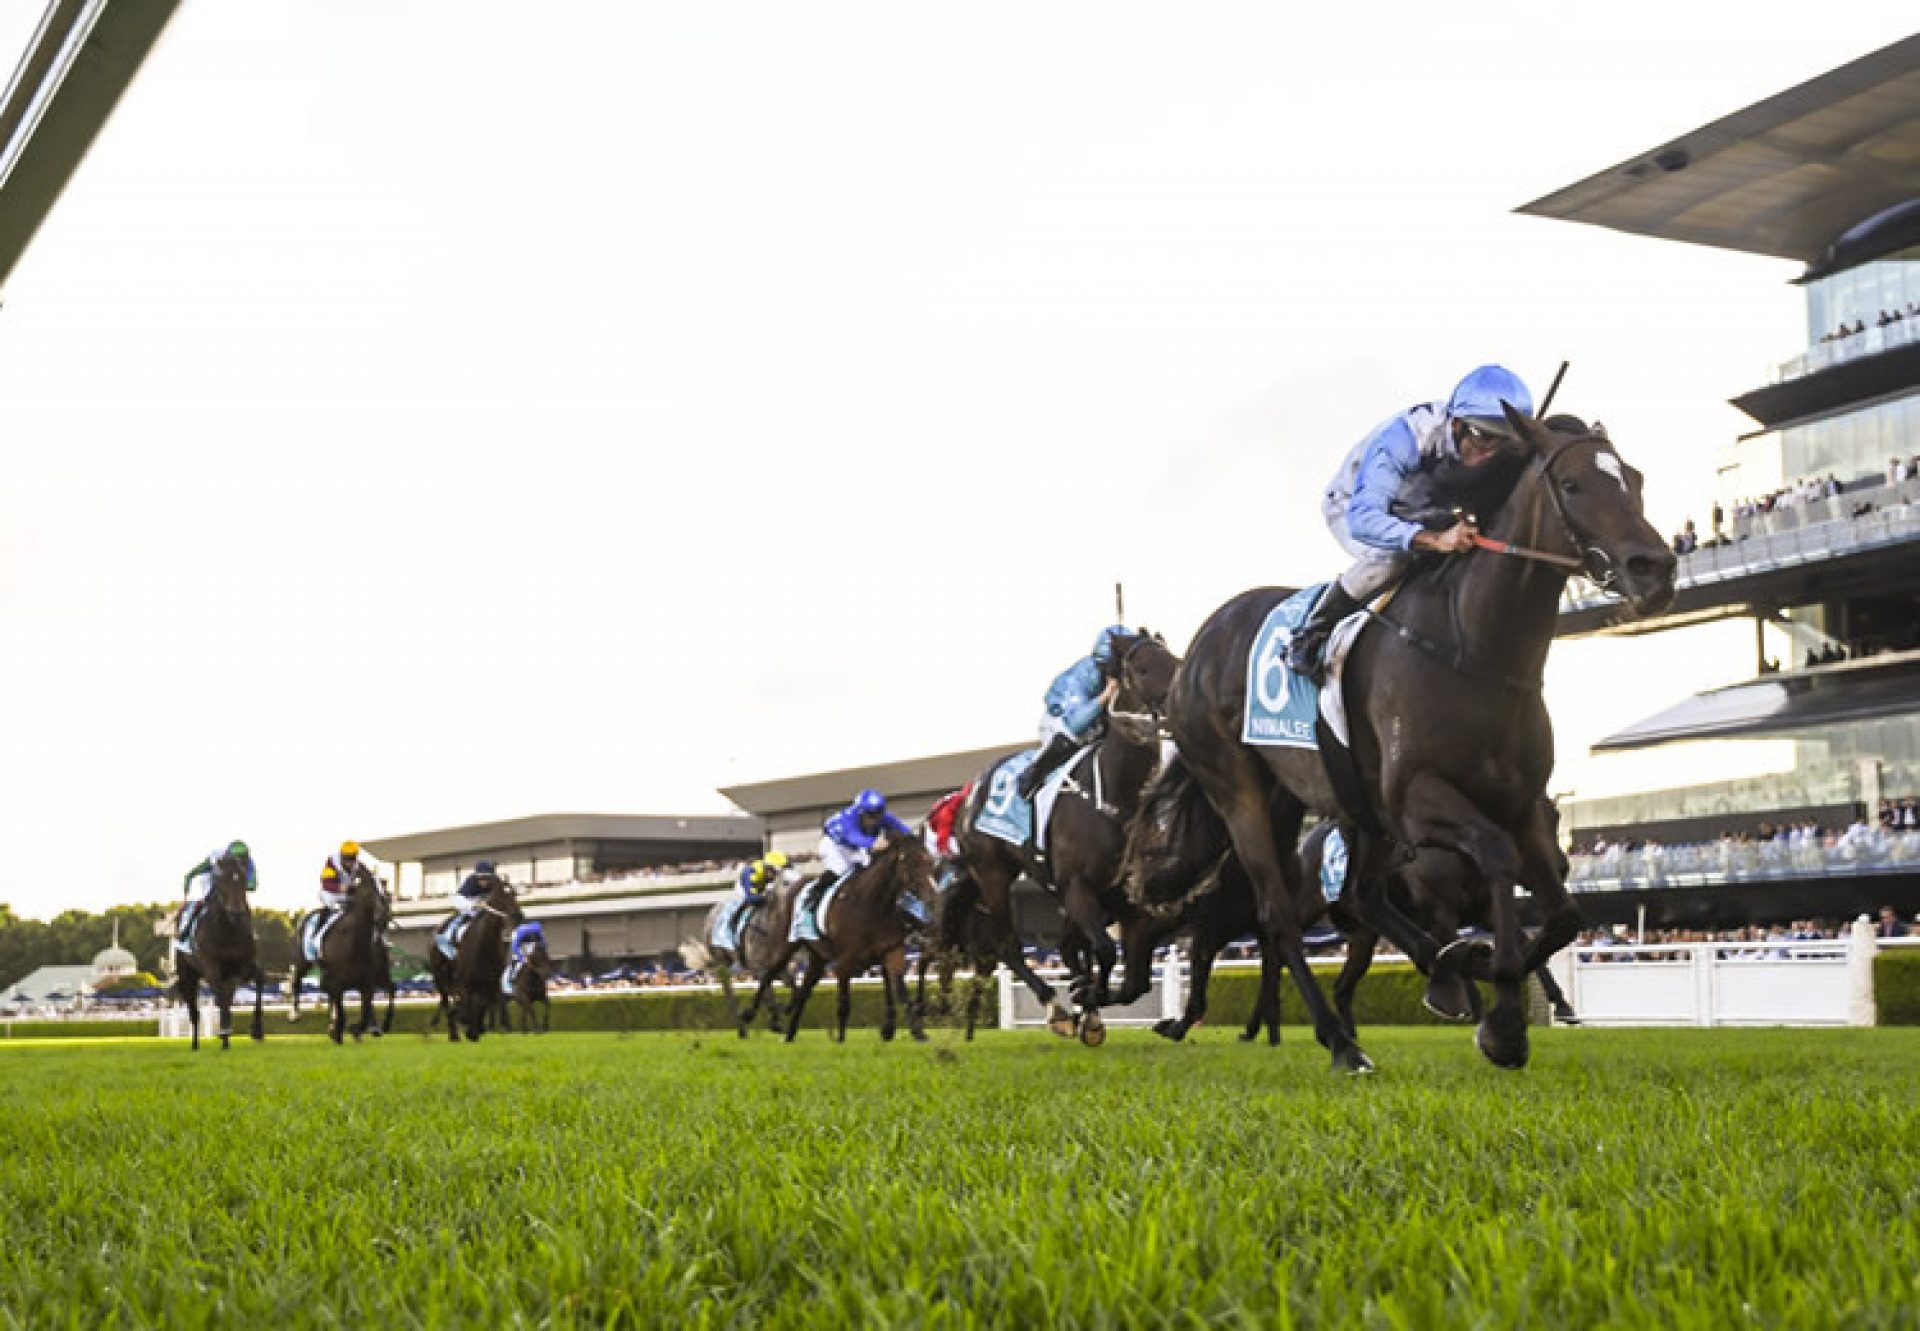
259	1031
336	1012
1435	812
223	1005
815	968
1543	868
299	974
843	1002
189	987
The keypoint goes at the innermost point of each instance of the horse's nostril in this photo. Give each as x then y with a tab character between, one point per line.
1640	566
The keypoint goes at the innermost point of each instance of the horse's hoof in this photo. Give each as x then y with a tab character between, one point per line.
887	1033
741	1031
334	1036
1502	1037
1060	1021
1168	1028
1352	1060
1093	1030
919	1037
1565	1015
1451	995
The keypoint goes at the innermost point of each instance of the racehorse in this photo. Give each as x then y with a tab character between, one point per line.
1452	744
469	984
1085	837
223	955
760	948
865	924
351	957
524	985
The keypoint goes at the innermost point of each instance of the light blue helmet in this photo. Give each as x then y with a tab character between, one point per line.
1477	398
870	802
1103	645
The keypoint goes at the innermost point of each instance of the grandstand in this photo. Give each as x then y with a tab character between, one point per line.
613	890
1815	539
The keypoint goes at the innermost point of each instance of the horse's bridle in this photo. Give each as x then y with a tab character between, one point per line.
1593	560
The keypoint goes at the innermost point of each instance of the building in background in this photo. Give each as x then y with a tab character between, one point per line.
1815	536
617	889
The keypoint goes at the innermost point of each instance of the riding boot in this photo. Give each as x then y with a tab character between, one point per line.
1058	750
1306	652
189	916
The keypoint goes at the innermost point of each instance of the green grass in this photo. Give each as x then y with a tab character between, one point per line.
1658	1179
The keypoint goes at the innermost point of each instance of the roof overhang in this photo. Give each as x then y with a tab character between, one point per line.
1787	177
1781	705
914	776
550	828
1850	383
80	61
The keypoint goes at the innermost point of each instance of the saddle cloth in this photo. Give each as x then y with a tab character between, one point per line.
1281	705
806	924
1018	822
313	933
449	936
729	923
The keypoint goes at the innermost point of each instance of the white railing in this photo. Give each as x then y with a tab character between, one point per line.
1824	983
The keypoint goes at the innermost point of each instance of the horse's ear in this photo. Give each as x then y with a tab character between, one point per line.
1525	428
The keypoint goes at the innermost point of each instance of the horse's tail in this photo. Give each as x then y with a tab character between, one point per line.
1175	841
697	955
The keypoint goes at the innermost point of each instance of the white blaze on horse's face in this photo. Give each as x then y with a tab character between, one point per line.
1610	464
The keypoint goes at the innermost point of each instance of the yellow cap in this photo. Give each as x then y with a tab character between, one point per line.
349	849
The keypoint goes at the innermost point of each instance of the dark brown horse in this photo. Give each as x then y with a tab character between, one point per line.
524	988
1452	744
351	957
223	955
1085	837
866	924
469	983
760	948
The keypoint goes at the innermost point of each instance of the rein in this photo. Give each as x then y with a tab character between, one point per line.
1492	546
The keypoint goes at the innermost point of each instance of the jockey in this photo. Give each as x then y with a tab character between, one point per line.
524	939
475	888
848	843
472	892
938	834
350	859
335	891
336	878
1076	703
235	857
1465	430
756	878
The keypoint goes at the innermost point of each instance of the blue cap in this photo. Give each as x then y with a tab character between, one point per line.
870	801
1478	397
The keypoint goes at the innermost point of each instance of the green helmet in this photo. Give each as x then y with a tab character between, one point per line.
237	850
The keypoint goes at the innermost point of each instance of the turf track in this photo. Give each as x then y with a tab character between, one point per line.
1668	1179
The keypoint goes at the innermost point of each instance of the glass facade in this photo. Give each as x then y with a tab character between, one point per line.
1858	444
1861	295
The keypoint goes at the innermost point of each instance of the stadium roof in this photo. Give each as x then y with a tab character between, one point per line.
1789	176
80	61
913	776
549	828
1856	691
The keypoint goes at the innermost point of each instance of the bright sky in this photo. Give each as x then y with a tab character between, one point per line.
417	414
